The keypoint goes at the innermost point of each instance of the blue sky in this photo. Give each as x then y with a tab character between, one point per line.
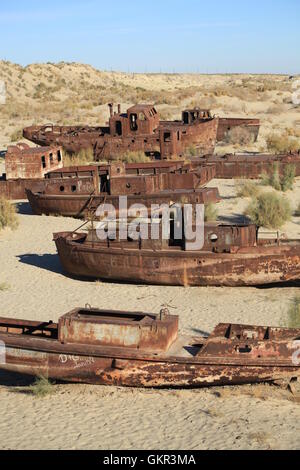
155	35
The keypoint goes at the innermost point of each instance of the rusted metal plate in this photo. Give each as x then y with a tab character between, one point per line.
16	189
251	126
117	329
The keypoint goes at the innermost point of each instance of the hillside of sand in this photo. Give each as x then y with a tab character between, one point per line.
78	94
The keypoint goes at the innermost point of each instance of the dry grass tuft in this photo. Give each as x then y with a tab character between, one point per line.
4	286
84	157
16	136
132	157
282	143
280	182
247	189
41	387
8	216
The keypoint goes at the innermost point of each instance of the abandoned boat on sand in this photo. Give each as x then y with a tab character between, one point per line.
79	191
232	255
145	350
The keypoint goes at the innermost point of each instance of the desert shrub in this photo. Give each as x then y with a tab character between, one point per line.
211	213
288	178
293	131
247	189
83	157
8	216
16	135
239	135
294	313
272	179
282	143
269	210
280	182
41	387
133	157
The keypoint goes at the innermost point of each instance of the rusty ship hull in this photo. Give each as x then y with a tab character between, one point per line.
231	355
79	206
251	166
249	266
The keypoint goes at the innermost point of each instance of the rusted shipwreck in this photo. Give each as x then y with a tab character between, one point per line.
140	129
250	165
232	255
144	350
79	191
25	168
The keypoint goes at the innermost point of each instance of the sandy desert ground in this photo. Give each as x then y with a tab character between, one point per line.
85	417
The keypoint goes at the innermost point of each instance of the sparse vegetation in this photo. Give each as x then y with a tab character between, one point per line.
211	213
41	387
247	189
282	143
269	210
16	135
4	286
8	216
84	157
288	178
294	313
133	157
280	182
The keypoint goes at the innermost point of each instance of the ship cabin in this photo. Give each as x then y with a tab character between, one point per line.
142	119
217	237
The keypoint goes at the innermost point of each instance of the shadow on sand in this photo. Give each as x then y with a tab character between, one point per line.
47	262
12	379
24	208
